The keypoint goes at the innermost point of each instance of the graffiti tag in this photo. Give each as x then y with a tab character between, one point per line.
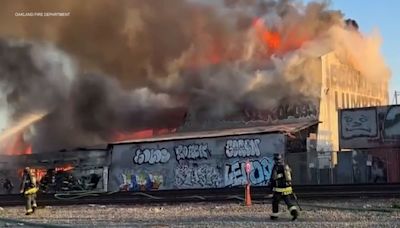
235	173
140	182
242	148
192	151
203	176
392	123
359	123
151	156
284	111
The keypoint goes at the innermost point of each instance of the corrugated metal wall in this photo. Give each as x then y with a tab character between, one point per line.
194	163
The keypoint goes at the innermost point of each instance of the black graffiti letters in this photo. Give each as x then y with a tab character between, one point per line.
192	151
151	156
242	148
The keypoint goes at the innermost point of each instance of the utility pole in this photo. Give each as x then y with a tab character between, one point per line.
396	93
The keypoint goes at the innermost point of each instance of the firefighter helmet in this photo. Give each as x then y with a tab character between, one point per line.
278	158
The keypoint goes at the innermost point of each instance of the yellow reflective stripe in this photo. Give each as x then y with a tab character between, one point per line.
285	191
31	191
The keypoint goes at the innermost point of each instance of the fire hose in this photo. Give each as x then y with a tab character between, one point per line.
81	194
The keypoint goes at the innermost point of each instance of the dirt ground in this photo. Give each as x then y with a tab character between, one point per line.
343	213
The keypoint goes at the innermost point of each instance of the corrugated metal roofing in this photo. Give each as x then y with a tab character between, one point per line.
281	128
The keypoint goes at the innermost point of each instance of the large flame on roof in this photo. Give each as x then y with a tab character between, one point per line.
270	38
143	134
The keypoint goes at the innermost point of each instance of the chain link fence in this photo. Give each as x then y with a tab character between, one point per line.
345	167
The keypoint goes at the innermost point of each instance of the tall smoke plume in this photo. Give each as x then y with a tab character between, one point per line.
128	65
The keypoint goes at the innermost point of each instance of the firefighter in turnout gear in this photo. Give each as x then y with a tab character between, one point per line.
281	184
29	189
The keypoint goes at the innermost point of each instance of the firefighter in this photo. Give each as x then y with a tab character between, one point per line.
29	189
281	184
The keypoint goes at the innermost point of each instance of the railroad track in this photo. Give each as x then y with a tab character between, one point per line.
207	195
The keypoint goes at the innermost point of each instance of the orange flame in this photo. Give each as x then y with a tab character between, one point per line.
122	136
275	42
214	49
16	145
64	168
28	150
39	173
143	134
271	39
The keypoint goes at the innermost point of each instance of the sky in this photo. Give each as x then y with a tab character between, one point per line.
382	16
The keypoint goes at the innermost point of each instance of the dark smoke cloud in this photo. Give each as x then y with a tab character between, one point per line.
29	80
83	109
97	109
132	64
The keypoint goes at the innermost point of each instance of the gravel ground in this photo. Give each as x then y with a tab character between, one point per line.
344	213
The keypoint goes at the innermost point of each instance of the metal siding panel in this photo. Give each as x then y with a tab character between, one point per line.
223	166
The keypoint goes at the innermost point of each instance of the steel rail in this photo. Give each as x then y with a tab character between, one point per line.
207	195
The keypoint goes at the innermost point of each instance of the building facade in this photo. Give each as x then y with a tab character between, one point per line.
340	86
344	87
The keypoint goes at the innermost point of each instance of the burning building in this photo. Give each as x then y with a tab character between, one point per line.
72	170
151	68
116	71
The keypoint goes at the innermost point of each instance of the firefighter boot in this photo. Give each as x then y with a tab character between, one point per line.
29	211
294	213
274	216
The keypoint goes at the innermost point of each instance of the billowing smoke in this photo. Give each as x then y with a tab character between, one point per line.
34	76
128	65
81	108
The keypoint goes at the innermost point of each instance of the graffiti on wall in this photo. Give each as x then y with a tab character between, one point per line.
284	111
140	181
235	173
151	156
359	123
209	162
242	148
370	127
192	151
392	123
192	176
